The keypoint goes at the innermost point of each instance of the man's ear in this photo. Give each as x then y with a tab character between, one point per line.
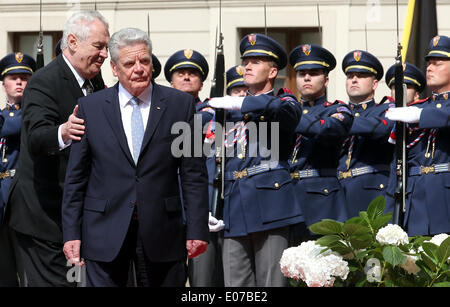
113	68
273	72
72	42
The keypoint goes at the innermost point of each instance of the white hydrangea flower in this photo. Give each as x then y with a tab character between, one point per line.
317	270
438	239
392	234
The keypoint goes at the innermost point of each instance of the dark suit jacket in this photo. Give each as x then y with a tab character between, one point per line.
103	183
36	191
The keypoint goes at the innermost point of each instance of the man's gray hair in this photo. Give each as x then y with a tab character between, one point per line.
79	25
127	37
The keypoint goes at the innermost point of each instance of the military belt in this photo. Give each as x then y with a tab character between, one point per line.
252	171
358	171
311	173
8	173
433	169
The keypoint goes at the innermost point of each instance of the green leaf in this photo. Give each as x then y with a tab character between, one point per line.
361	241
326	227
328	240
376	207
430	249
381	221
442	284
393	255
429	262
356	229
354	220
443	251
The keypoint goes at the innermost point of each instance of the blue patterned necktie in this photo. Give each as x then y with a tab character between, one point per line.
137	128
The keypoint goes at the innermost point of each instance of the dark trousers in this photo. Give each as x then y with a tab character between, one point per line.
206	270
43	261
8	268
148	274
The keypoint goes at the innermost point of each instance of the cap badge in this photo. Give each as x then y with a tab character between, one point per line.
306	49
19	57
252	39
188	53
240	70
436	40
357	55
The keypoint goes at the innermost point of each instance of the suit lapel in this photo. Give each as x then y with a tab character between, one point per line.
113	115
157	109
67	74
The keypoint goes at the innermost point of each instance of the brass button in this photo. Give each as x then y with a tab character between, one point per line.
11	114
261	118
357	114
325	191
246	116
381	186
277	185
438	106
305	111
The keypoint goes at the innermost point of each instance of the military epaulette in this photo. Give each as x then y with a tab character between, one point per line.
328	103
388	98
418	101
288	97
283	91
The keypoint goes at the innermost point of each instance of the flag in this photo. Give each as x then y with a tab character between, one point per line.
420	27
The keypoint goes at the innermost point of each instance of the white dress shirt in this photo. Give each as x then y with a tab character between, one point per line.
126	108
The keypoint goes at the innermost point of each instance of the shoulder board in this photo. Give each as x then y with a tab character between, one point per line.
328	103
284	90
339	101
418	101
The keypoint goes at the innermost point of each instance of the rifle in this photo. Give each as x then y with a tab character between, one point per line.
400	139
40	54
217	89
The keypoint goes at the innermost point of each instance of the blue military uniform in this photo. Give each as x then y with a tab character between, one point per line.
428	167
415	77
364	165
11	119
259	200
10	124
320	133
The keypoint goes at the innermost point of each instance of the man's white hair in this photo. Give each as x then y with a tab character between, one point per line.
127	37
79	25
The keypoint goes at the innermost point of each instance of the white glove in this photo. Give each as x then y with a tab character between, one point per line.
214	224
227	102
404	114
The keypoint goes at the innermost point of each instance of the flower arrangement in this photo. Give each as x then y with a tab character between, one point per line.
366	251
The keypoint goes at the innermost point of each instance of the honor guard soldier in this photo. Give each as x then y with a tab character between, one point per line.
235	81
186	70
259	205
15	70
428	167
415	82
366	155
320	133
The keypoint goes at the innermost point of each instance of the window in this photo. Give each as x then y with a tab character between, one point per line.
288	38
27	42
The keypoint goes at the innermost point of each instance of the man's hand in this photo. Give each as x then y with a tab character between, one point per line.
226	102
73	128
214	224
196	247
72	252
404	114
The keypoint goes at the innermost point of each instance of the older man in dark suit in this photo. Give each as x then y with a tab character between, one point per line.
49	125
121	195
